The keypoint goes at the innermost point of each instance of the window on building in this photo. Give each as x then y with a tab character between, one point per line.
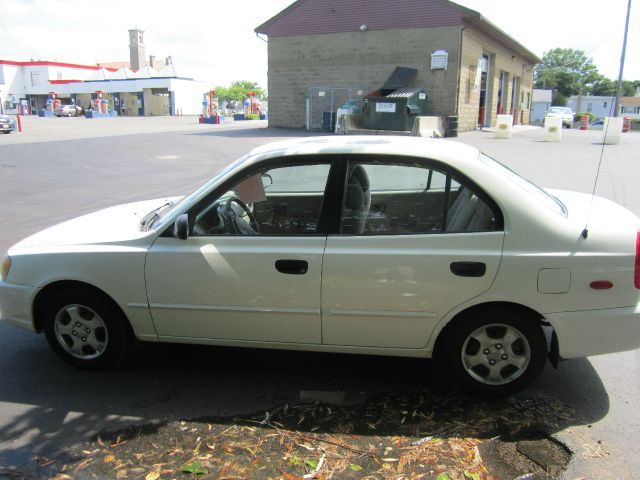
605	105
589	107
59	75
35	79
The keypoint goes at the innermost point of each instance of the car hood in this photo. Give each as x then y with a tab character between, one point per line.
111	225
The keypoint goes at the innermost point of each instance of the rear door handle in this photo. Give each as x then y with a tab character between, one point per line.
468	269
292	267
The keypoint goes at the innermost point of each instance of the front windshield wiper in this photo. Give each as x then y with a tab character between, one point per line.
148	220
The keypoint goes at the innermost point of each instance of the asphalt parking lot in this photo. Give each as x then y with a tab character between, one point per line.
60	168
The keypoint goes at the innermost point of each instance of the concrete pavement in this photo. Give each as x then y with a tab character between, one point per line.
59	168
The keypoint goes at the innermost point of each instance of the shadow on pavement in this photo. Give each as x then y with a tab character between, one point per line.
63	406
249	132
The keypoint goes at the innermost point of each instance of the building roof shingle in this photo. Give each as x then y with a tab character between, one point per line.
313	17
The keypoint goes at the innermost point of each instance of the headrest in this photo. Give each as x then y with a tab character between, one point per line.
359	174
354	199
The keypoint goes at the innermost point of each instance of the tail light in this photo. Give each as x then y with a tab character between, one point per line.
636	273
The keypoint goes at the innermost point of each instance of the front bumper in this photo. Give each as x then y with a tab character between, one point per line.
596	332
15	305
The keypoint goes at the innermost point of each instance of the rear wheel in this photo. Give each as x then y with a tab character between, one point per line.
86	329
494	352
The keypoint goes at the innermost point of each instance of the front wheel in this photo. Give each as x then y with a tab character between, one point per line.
494	352
86	329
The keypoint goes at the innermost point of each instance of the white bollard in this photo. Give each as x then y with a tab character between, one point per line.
553	129
504	126
611	130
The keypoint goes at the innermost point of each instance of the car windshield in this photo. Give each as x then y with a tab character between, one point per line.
549	200
559	110
160	214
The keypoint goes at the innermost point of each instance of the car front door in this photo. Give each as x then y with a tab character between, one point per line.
415	240
251	267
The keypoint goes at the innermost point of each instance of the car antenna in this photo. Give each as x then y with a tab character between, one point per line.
614	107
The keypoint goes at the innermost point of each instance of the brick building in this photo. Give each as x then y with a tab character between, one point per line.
344	49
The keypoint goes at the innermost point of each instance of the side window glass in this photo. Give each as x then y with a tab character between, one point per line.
404	199
467	212
276	201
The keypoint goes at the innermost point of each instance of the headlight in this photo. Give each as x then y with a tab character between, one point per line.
6	265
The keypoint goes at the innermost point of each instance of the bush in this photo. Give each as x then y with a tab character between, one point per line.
578	116
252	116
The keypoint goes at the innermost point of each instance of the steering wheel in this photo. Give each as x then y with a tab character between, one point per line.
233	211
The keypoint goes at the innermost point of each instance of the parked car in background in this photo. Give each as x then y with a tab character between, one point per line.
7	124
371	245
68	111
597	124
563	112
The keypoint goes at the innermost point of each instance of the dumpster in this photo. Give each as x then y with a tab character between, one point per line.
396	111
395	106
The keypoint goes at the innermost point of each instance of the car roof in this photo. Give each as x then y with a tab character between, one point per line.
436	149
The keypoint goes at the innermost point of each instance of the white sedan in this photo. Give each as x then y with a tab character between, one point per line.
565	113
371	245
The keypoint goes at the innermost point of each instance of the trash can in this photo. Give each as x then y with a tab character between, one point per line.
452	126
328	121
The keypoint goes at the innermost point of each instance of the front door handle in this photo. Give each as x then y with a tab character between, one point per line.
468	269
292	267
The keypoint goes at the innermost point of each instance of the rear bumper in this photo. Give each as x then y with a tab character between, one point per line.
596	332
15	305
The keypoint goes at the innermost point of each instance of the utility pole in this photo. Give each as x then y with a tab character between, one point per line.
616	113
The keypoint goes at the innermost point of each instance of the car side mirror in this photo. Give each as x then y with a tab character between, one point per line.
181	227
267	180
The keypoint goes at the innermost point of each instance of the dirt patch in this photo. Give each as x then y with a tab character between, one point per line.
417	435
535	455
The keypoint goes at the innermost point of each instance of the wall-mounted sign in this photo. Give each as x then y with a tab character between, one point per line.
385	107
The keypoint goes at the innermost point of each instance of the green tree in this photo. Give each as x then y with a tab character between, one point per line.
607	87
567	72
604	87
238	91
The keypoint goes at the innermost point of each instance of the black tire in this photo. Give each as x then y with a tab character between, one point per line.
106	332
459	347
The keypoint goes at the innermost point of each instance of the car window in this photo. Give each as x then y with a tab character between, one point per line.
383	198
532	189
284	200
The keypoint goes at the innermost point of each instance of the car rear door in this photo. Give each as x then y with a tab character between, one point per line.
429	241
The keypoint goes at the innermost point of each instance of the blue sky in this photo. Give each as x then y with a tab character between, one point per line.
213	40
